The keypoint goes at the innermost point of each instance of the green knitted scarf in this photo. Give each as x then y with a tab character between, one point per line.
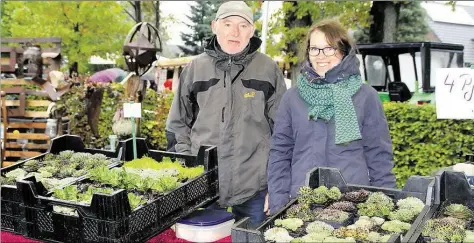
328	100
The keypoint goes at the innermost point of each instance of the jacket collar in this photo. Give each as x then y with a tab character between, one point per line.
225	60
347	67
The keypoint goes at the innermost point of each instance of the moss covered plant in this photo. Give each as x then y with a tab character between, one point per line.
450	226
324	214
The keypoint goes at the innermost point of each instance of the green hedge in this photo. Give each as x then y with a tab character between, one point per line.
422	143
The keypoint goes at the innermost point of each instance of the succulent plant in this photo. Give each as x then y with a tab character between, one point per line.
31	165
66	154
65	172
48	157
79	157
385	238
6	181
379	221
373	237
50	169
15	174
45	174
343	206
301	211
305	195
446	229
351	232
320	195
333	215
365	222
79	173
334	193
277	234
404	214
396	226
318	227
411	203
332	239
458	211
289	223
356	196
313	237
469	236
377	204
297	240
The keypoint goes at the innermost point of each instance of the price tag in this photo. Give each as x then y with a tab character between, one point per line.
455	93
132	110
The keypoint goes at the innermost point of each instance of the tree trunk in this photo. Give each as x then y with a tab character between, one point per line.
291	21
138	11
157	15
385	18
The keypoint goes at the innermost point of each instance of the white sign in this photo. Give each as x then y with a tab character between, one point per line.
132	110
455	93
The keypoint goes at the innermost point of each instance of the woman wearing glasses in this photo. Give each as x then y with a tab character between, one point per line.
330	119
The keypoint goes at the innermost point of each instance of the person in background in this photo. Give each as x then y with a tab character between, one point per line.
329	119
228	96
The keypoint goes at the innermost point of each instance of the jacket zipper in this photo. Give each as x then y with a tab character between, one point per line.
223	110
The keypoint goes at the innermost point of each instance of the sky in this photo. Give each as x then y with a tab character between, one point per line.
179	9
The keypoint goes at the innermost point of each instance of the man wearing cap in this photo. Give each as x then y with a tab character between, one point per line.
228	96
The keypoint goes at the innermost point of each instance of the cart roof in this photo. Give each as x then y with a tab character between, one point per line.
404	47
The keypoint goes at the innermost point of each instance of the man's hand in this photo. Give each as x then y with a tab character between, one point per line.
265	206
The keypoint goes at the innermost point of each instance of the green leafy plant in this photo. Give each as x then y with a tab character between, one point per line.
423	144
54	170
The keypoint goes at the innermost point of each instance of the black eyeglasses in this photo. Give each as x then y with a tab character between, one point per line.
327	51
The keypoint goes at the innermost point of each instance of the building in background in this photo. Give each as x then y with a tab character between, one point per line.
456	27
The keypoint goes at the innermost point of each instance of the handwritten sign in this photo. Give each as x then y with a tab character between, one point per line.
132	110
455	93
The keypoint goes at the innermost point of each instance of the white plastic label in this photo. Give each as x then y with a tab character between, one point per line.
455	93
132	110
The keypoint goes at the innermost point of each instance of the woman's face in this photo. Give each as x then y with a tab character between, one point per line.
321	55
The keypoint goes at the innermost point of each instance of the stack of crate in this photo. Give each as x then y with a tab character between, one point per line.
24	120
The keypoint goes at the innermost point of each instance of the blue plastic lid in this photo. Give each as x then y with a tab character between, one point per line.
207	217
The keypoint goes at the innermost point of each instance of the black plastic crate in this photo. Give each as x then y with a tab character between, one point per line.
453	188
10	197
421	187
109	218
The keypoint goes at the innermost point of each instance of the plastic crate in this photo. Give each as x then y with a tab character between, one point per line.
110	218
417	186
453	188
10	197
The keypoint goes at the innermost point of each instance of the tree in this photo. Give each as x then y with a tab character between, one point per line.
86	28
411	25
5	23
292	21
202	14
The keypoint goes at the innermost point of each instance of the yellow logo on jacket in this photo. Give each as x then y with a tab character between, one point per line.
249	94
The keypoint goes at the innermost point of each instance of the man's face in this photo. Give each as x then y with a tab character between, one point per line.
233	33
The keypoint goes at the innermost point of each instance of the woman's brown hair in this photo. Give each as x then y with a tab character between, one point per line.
336	36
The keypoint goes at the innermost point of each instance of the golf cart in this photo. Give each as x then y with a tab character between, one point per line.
406	71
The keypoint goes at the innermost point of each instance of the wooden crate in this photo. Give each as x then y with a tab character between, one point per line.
26	120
